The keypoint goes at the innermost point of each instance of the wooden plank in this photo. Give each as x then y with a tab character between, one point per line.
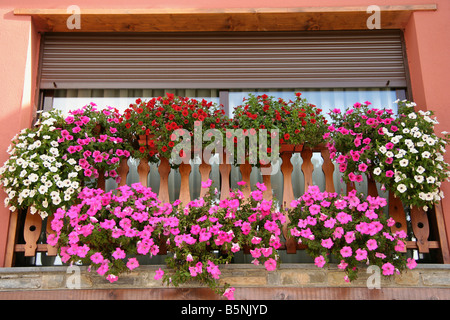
421	228
397	213
222	19
164	296
443	239
11	241
31	233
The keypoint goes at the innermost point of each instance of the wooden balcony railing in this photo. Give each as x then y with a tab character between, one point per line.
426	230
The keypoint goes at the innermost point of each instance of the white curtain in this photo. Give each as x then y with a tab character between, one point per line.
326	99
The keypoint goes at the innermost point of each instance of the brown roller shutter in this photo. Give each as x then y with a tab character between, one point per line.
224	60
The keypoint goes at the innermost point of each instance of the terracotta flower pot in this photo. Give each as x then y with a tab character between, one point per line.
285	147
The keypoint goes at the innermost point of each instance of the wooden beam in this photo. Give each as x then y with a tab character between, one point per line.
165	296
242	19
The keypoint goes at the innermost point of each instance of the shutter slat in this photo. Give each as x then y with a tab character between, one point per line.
223	60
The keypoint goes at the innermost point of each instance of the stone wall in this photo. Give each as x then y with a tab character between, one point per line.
290	281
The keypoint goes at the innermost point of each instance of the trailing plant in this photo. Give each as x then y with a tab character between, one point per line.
39	174
353	229
412	163
107	231
401	152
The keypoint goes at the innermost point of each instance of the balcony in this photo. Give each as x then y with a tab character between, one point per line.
31	261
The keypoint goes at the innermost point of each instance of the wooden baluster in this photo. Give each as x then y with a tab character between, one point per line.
307	167
421	228
328	170
397	213
288	196
205	170
372	187
31	233
164	171
286	169
185	194
101	183
51	250
350	186
266	176
225	169
246	170
123	171
143	170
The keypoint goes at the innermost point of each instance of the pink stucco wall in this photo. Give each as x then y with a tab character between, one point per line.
427	40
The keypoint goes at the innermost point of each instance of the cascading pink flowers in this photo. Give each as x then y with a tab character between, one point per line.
353	229
109	230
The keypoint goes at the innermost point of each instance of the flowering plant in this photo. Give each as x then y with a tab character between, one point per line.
91	137
351	228
352	137
159	118
298	122
39	174
411	157
226	227
401	152
107	230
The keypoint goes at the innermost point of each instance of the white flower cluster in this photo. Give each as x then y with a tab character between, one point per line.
413	157
36	175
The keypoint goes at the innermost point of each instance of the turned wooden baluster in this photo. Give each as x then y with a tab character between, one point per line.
397	213
307	167
328	170
225	169
266	177
288	196
185	194
101	183
372	187
205	170
31	233
246	170
164	171
122	171
143	170
421	228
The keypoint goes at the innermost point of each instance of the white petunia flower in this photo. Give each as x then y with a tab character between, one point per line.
401	188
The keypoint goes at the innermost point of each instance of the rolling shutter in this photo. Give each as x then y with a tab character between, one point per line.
223	60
